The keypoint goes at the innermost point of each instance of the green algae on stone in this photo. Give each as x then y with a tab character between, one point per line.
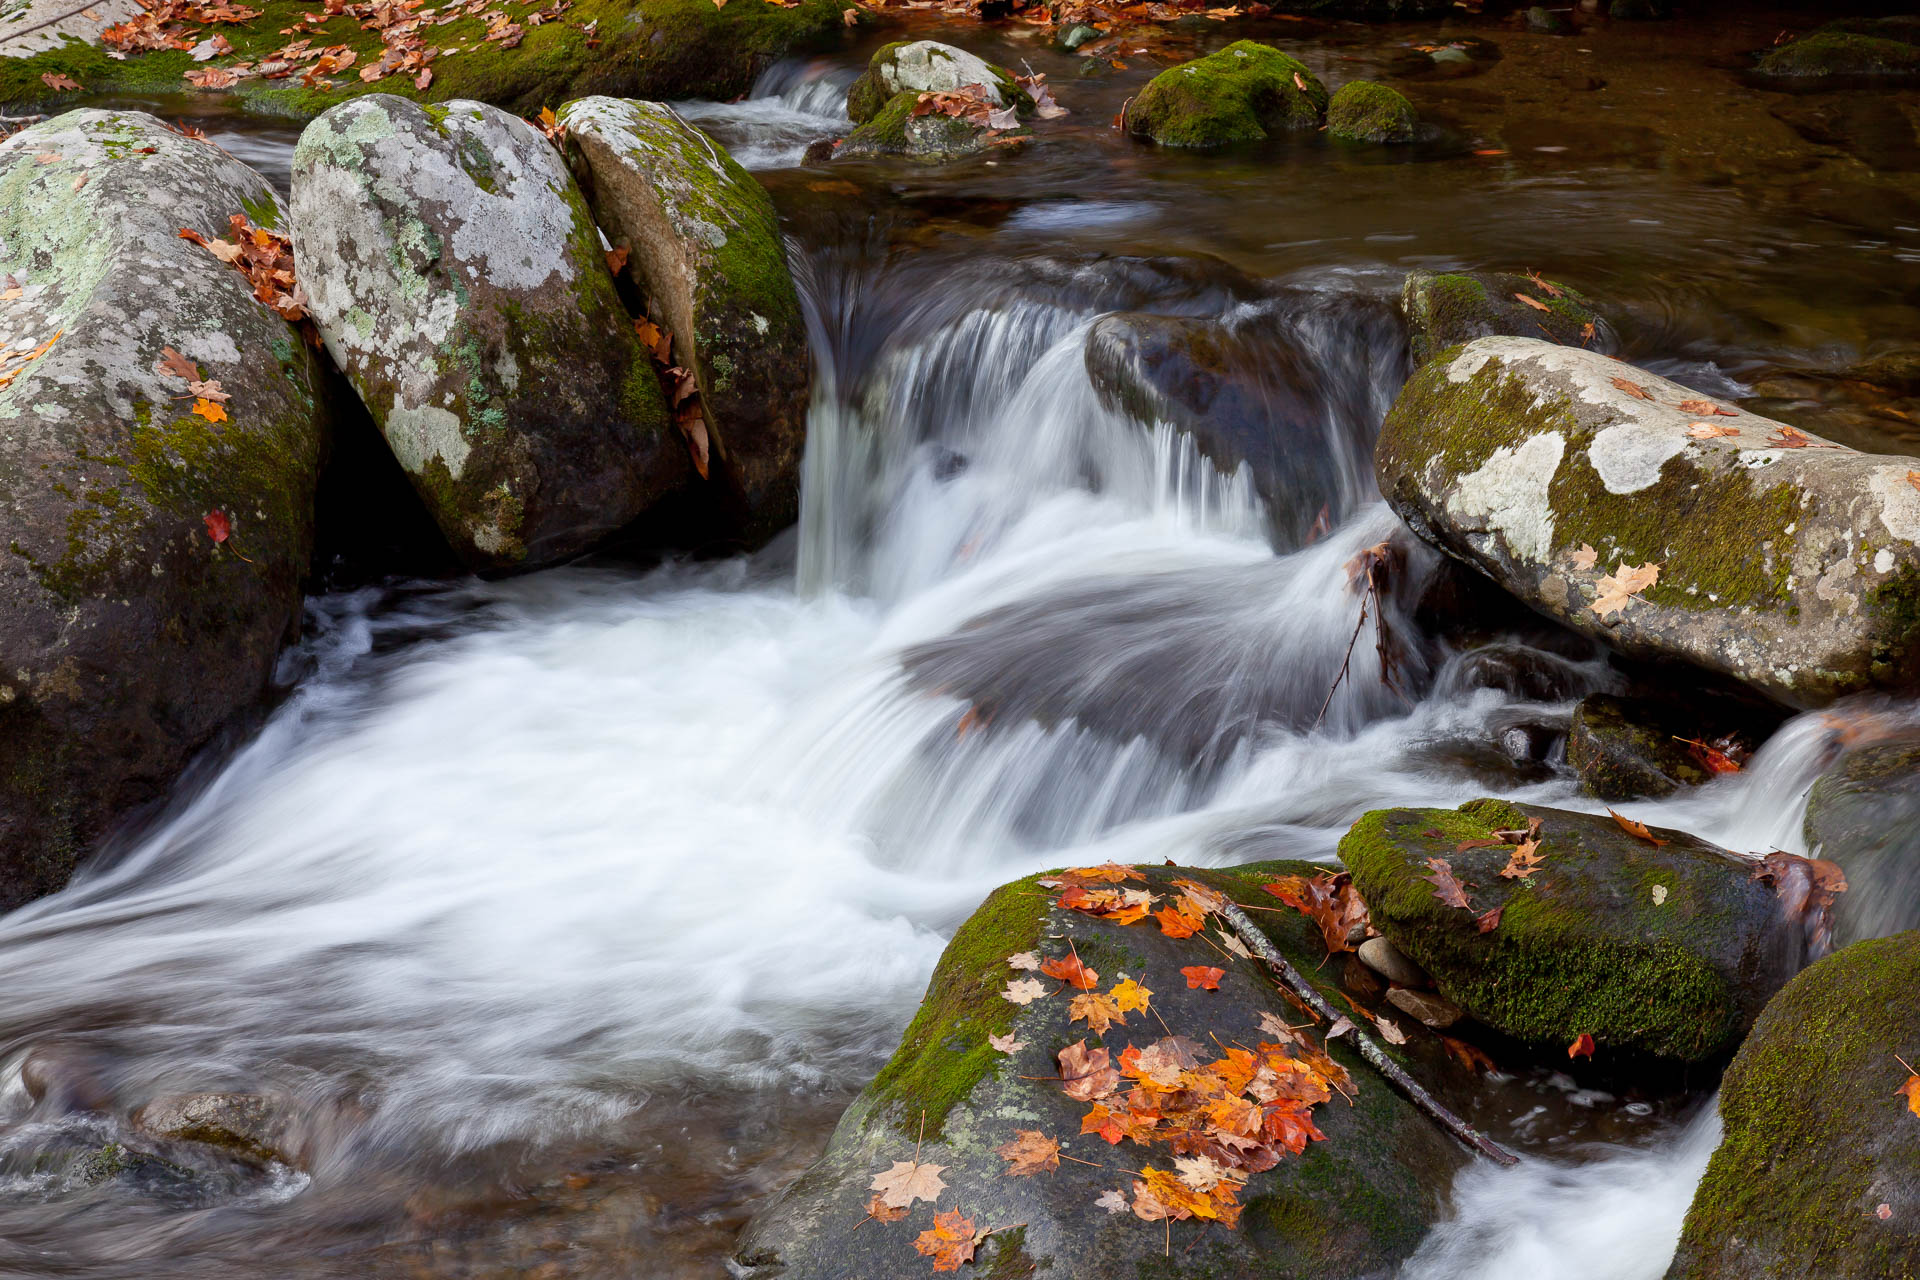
1818	1173
1363	111
1244	93
1584	946
1447	308
1356	1204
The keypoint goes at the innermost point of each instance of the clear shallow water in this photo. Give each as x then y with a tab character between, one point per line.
574	907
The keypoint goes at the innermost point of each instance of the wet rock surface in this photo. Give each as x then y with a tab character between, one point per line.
1668	950
1625	748
1785	562
1246	92
128	635
1850	49
705	247
1444	309
251	1126
459	281
1864	814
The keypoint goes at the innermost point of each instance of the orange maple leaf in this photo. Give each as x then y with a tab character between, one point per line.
949	1241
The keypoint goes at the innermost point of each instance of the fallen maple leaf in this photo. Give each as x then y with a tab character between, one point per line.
1087	1075
1231	941
219	528
1203	977
47	157
1202	1173
209	410
1622	585
1069	970
1180	923
1006	1043
1488	921
1114	1201
1913	477
1582	1046
880	1210
1543	284
1711	430
1704	409
1299	82
950	1240
1030	1152
176	365
1445	887
1024	991
1023	960
1535	303
53	80
1584	557
1330	901
1633	389
1638	830
1390	1030
908	1181
1097	1010
617	258
1910	1089
1130	997
1523	861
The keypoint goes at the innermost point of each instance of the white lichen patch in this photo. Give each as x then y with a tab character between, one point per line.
1628	458
419	434
1508	495
1899	501
929	65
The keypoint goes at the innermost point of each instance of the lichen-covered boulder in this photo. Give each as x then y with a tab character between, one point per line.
128	635
1258	391
1363	111
920	66
1879	48
1667	949
1864	814
460	282
933	136
1446	308
1352	1205
705	246
1787	563
1819	1170
1244	93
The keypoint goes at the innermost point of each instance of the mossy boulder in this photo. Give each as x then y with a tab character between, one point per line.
1350	1206
1787	563
1258	391
1624	748
128	636
895	131
1363	111
1246	92
1864	814
1819	1170
1446	308
459	281
657	49
921	66
1876	48
1668	950
705	248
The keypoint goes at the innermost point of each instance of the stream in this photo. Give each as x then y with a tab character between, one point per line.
574	907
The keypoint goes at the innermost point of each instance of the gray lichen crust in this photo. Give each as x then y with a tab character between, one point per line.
1787	563
705	246
460	283
127	635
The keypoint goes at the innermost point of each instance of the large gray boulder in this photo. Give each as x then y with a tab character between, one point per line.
1784	561
1352	1204
460	282
128	636
705	247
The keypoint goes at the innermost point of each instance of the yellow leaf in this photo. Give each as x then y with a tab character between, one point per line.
1130	996
209	410
1624	583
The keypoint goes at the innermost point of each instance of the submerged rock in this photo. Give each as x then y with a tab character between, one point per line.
1785	562
1879	48
1362	111
1670	949
1352	1205
1244	93
128	635
252	1126
1819	1170
459	281
1447	308
1864	814
921	66
705	247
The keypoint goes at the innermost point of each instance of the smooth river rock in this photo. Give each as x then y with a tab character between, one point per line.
128	636
1787	563
460	282
705	247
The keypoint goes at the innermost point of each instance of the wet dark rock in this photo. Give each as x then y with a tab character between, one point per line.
1512	454
1624	748
1522	671
818	152
1429	1008
1819	1170
1353	1205
1864	814
139	1171
1857	48
1362	111
1246	92
1543	21
130	636
706	249
1446	308
1284	389
1391	963
1668	950
65	1078
1638	10
458	279
894	130
252	1126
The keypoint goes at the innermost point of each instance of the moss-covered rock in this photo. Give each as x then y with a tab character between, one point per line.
1353	1205
1669	950
128	636
1786	563
1244	93
1864	814
705	247
660	49
927	65
1624	748
1819	1171
1446	308
1363	111
895	131
1862	47
459	281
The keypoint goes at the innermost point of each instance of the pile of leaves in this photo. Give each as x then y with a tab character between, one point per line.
170	24
677	382
265	258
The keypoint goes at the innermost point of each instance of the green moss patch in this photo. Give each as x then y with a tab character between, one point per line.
1363	111
1244	93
